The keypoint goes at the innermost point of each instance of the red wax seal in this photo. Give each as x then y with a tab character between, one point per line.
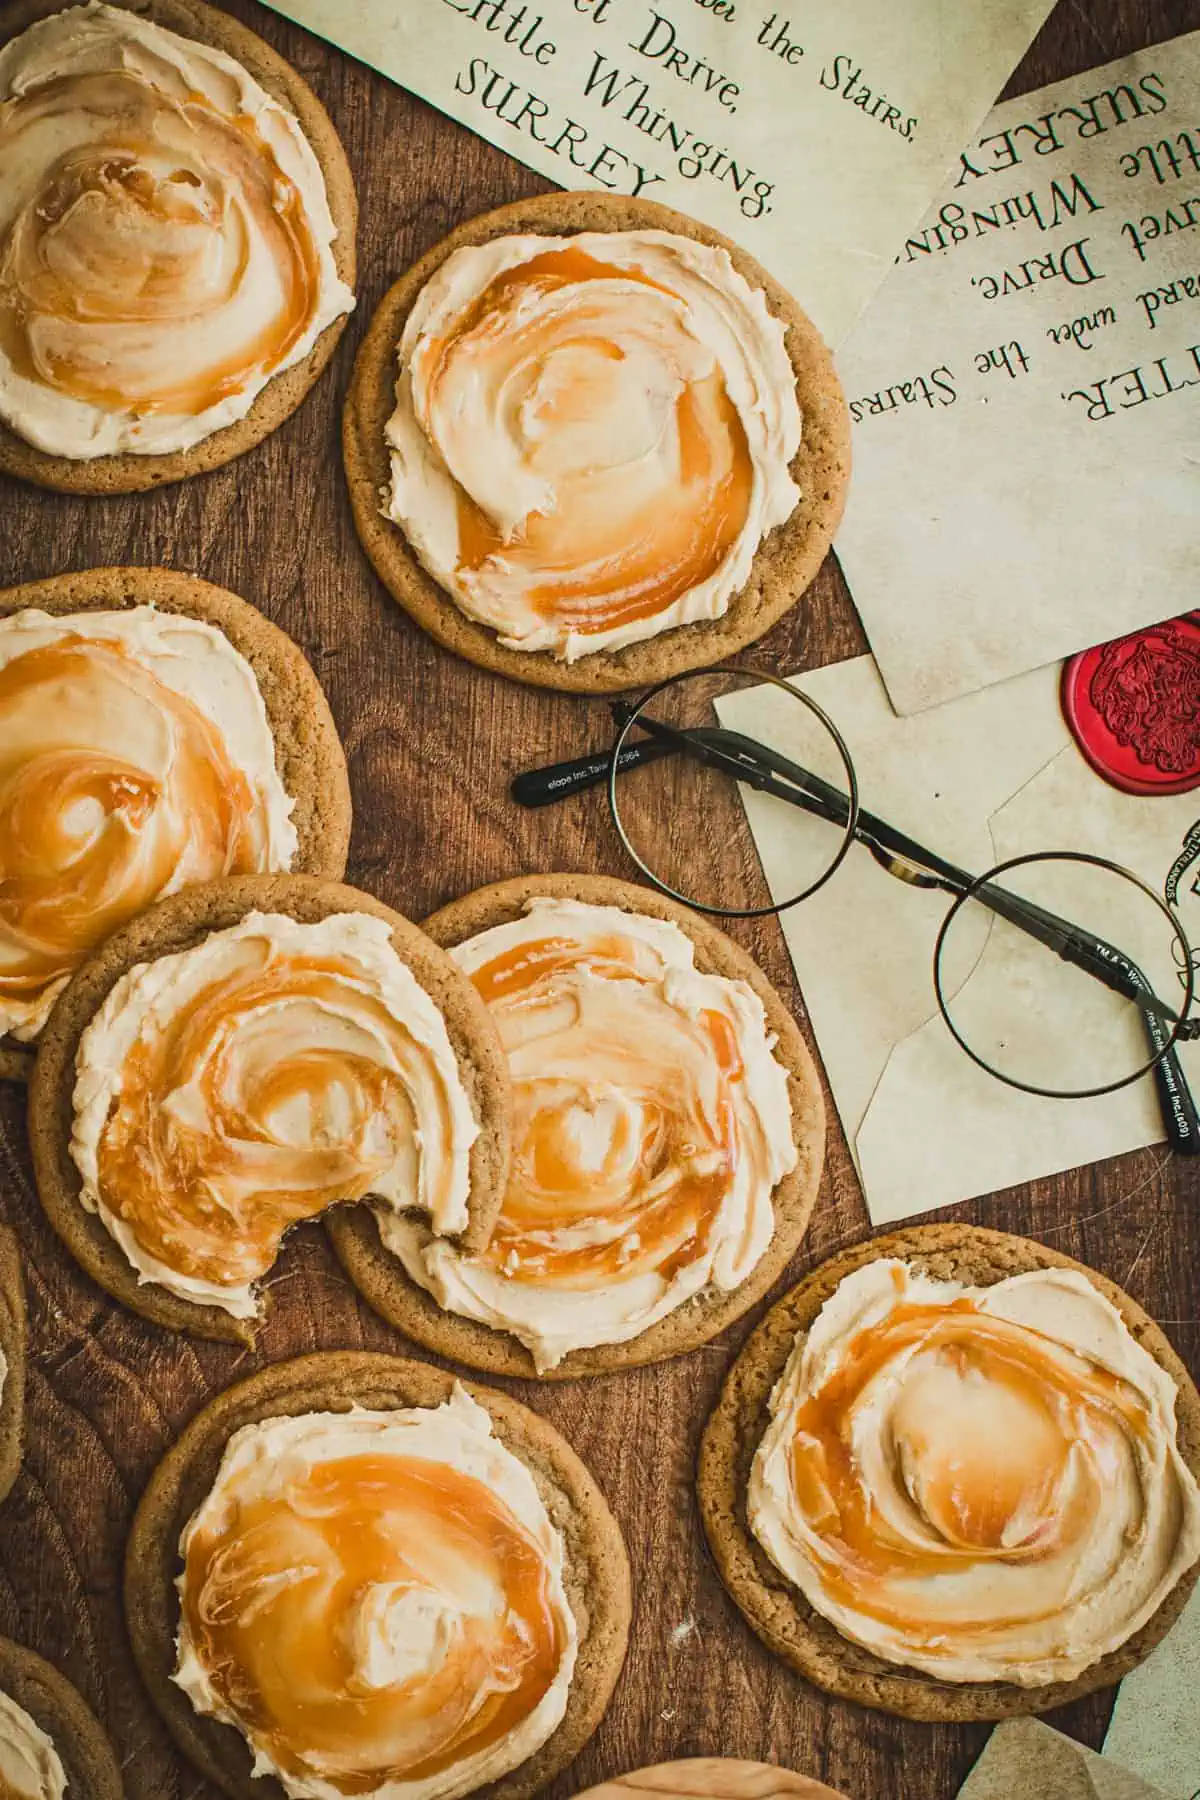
1134	707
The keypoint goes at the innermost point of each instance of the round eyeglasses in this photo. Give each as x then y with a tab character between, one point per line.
1061	973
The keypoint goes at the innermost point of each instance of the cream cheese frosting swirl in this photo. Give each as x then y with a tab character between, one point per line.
135	757
376	1600
984	1483
165	237
30	1766
591	435
651	1123
226	1092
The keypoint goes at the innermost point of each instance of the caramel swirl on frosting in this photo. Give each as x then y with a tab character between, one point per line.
228	1091
651	1123
30	1766
376	1601
164	237
591	435
135	757
983	1483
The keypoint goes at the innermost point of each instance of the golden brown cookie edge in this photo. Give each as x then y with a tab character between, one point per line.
785	563
127	473
712	1778
382	1280
54	1703
178	923
773	1608
14	1340
597	1575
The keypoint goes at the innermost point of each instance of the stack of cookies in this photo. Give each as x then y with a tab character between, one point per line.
564	1127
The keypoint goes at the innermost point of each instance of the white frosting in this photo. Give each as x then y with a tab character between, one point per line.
152	210
113	718
30	1766
372	1012
1014	1453
613	1071
399	1633
561	416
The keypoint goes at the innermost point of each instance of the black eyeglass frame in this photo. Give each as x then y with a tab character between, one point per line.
755	765
1162	1061
633	717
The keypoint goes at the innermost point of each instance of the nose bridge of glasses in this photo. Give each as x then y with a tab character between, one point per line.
901	868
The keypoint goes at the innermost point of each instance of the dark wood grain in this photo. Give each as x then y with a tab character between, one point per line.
431	743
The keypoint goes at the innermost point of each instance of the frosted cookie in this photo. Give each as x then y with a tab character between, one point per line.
360	1577
953	1475
12	1360
155	731
591	443
668	1134
711	1778
243	1057
177	219
51	1745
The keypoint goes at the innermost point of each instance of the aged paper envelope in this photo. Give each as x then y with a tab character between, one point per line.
1026	389
1155	1726
980	779
814	136
1026	1760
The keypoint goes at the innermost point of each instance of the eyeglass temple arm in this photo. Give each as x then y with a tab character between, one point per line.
547	785
558	781
1180	1117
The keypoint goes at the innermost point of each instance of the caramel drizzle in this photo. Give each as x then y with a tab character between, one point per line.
137	245
63	889
270	1598
661	1218
196	1157
590	574
960	1511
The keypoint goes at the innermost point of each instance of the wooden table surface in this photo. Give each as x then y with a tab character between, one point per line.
431	743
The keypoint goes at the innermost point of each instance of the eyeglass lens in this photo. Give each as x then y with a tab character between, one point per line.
1044	1023
682	816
